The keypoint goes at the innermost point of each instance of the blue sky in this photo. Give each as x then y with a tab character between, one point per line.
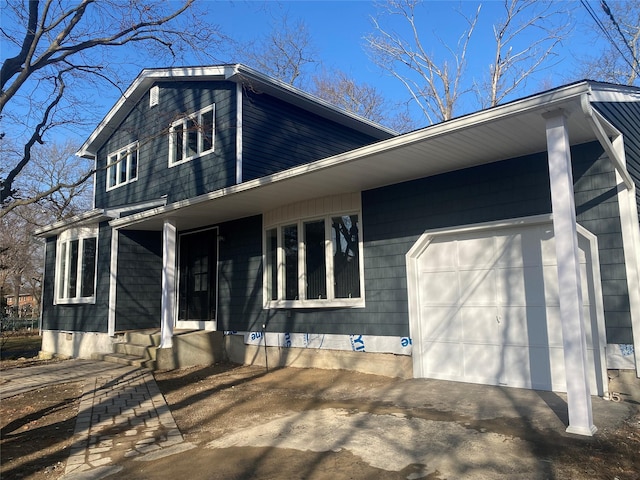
338	28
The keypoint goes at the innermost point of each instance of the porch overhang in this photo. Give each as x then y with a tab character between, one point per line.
512	130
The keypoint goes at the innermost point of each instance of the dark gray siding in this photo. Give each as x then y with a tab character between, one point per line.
139	286
83	317
394	217
150	127
597	210
277	135
625	116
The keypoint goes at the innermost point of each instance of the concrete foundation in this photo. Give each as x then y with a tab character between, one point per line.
190	349
386	364
74	344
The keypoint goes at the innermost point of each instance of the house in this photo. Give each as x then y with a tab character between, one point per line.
501	247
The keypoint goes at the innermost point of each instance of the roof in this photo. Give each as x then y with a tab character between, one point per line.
237	73
499	133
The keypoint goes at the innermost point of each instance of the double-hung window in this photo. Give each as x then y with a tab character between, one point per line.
122	166
192	136
315	262
76	265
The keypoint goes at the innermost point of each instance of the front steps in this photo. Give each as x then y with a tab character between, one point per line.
136	348
190	348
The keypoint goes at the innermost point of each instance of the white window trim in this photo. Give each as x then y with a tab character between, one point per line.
183	122
330	301
66	237
127	150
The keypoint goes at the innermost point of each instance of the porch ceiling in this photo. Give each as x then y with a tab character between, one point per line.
489	136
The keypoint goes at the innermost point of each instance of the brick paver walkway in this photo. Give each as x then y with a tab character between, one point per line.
122	414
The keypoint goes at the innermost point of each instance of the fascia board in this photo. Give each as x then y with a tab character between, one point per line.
91	216
566	98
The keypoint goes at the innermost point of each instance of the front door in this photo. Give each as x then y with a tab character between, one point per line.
197	298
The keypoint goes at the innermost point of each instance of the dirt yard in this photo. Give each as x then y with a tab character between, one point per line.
251	424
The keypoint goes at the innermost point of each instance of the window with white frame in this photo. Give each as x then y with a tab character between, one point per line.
76	254
314	262
192	136
122	166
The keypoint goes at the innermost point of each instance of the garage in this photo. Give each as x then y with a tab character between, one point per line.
484	306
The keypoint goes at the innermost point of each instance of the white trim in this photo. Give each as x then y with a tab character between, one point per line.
123	155
299	214
569	281
169	291
239	115
418	248
630	227
210	325
81	234
113	282
183	122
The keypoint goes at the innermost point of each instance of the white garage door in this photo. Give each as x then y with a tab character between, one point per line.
489	313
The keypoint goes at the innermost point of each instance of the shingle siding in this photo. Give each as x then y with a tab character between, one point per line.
139	285
150	126
80	317
277	136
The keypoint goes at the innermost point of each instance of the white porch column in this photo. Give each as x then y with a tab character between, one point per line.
569	282
168	283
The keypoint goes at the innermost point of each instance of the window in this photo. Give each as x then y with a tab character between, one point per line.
76	266
191	136
314	263
122	166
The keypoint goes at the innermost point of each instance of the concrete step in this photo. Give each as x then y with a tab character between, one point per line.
145	337
146	352
124	359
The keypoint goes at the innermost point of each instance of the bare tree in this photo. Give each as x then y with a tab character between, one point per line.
60	55
437	85
362	99
514	62
285	53
618	23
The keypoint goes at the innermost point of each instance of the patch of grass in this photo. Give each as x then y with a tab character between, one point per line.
20	346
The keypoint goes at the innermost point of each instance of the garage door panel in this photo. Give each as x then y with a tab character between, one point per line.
477	287
476	252
443	360
523	326
520	286
442	256
483	363
489	309
479	324
441	324
439	288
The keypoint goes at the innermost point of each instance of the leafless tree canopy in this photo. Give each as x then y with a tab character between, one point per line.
437	85
60	55
618	24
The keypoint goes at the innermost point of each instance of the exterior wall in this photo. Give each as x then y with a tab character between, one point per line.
79	317
625	116
139	285
393	219
150	126
277	136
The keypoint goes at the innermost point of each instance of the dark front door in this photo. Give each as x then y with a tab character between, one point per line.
198	276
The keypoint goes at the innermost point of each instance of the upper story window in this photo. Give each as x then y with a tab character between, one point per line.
192	136
315	261
122	166
76	265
